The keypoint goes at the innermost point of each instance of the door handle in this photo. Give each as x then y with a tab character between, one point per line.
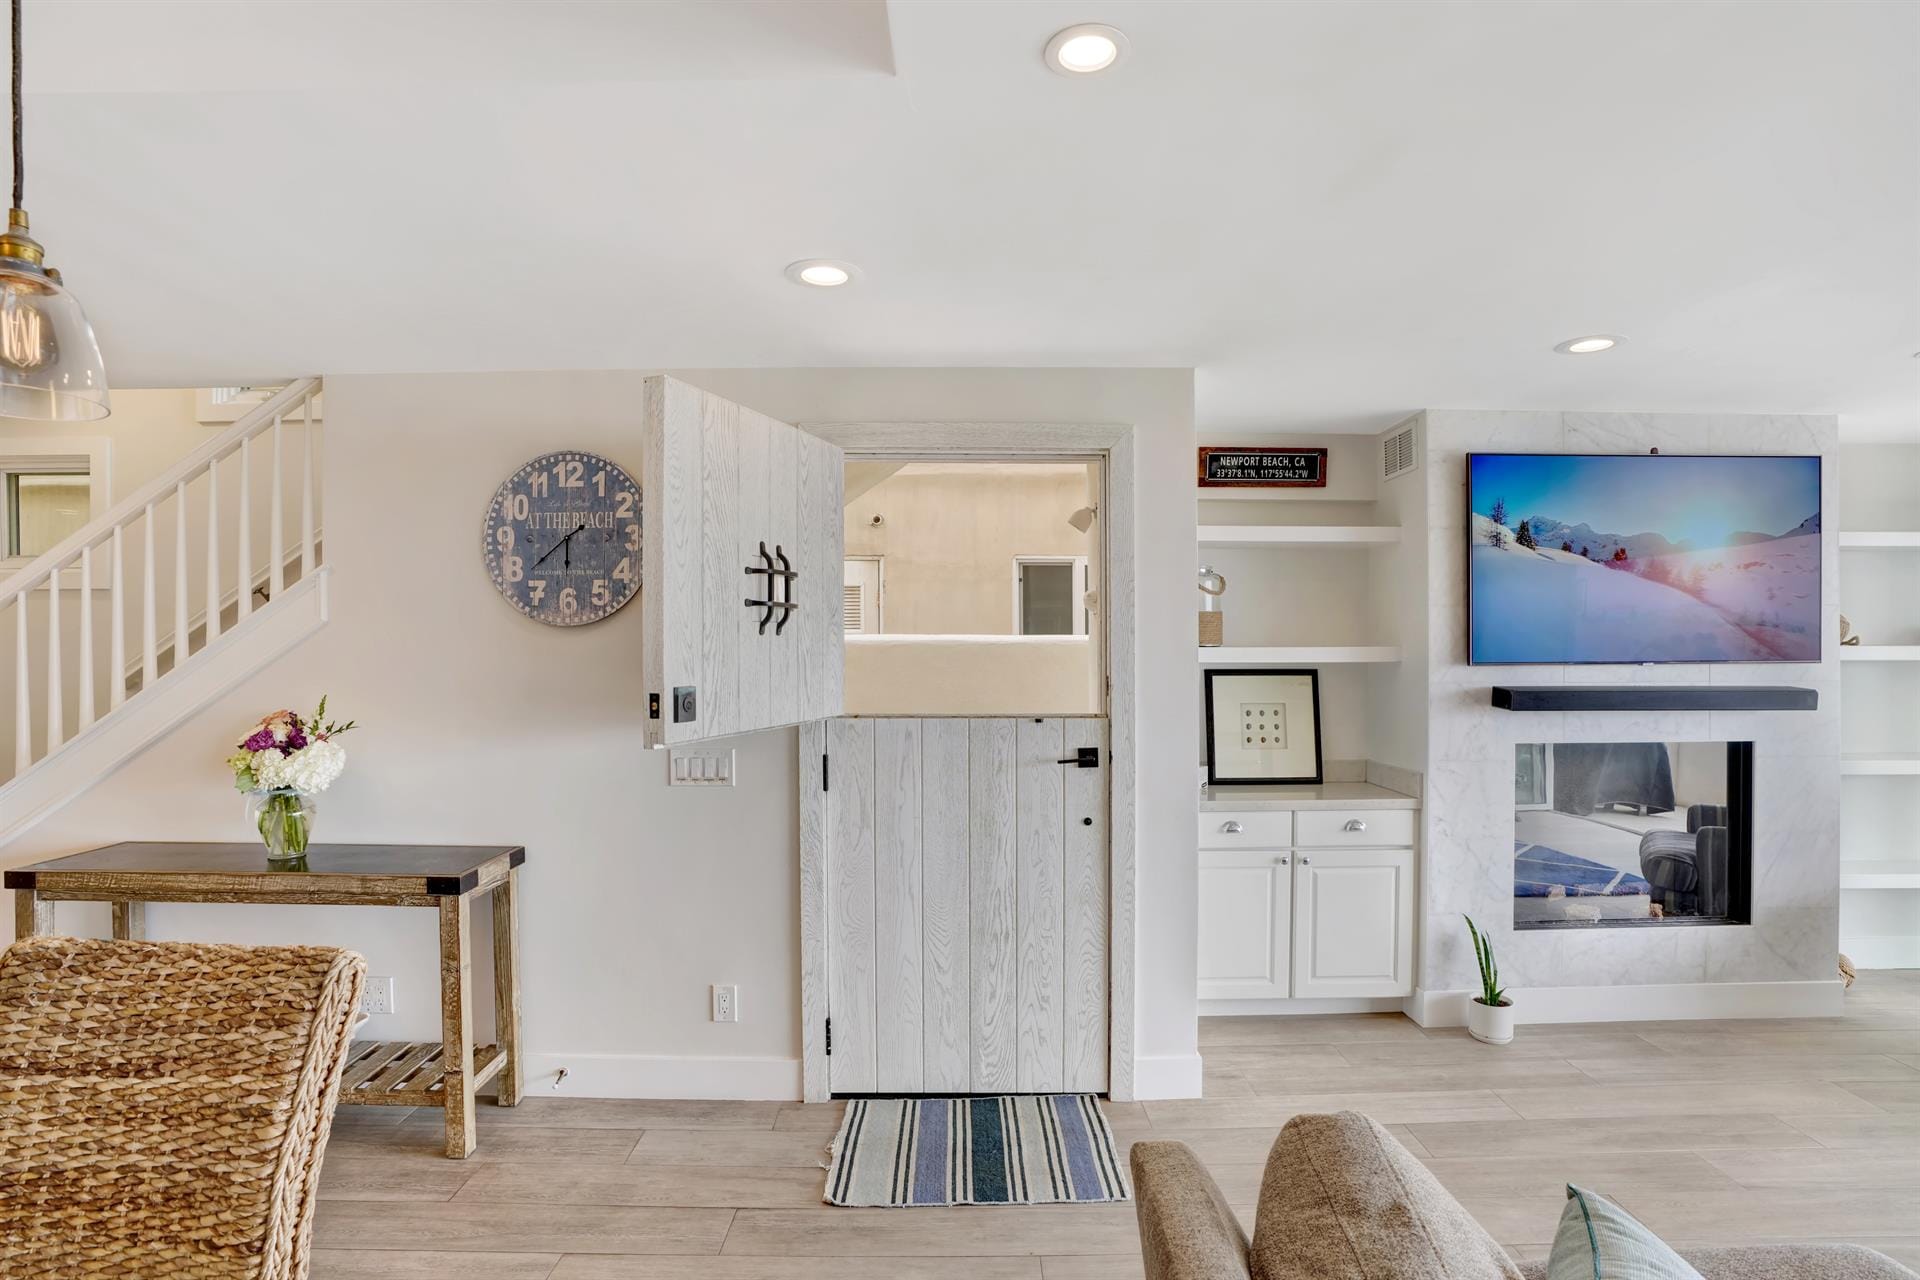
1231	828
1083	757
1355	824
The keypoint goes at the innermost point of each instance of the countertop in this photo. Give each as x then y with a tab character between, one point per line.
1329	795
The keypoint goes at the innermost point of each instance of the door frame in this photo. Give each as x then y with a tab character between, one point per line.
1113	445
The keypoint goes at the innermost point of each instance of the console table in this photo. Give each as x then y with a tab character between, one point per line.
448	878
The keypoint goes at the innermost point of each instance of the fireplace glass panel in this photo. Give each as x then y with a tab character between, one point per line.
1633	834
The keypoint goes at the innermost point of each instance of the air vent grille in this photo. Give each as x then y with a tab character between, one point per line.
1397	455
852	612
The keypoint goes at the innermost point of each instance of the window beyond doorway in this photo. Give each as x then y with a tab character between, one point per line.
1049	595
43	504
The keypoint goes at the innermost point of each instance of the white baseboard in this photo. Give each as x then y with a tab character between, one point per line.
623	1075
1293	1008
1171	1076
1883	951
1659	1003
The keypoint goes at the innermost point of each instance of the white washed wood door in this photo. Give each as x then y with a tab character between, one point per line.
966	893
720	482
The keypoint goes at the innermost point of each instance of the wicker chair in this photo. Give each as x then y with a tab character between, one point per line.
164	1106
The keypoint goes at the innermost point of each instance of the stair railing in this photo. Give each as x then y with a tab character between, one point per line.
101	547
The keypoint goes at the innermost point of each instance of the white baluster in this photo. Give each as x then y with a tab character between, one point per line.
307	555
276	538
117	614
243	600
56	707
149	610
181	622
212	624
86	640
22	710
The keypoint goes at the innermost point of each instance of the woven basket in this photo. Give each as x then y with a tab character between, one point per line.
164	1106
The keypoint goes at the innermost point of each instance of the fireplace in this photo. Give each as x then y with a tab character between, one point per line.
1632	834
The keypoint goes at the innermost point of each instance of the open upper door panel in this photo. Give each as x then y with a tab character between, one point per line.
736	508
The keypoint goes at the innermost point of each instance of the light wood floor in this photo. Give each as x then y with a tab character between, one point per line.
1709	1132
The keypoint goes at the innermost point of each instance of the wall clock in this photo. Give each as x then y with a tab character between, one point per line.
562	538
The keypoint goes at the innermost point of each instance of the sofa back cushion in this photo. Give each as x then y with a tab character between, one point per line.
1343	1200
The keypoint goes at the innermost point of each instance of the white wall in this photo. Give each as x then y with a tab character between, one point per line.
483	726
1468	814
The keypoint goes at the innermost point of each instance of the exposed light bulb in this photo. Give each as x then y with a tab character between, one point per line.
26	340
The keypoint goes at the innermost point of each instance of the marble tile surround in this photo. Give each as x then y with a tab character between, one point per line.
1468	804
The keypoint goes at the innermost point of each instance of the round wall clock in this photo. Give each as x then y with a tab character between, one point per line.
562	538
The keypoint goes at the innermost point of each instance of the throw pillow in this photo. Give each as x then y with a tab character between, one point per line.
1598	1240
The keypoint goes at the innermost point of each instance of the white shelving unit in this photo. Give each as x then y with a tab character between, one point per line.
1312	655
1880	761
1880	653
1298	535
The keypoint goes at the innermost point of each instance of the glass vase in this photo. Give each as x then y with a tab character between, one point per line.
284	819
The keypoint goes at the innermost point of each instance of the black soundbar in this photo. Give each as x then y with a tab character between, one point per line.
1654	697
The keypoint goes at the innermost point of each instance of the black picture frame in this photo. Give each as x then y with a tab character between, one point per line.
1214	778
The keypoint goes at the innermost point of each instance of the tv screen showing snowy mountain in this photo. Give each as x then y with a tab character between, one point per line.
1643	558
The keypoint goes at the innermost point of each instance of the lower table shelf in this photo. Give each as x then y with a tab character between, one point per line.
408	1073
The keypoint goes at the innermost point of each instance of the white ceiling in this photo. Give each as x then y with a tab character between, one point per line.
1335	213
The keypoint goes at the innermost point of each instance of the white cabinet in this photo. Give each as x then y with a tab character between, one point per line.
1297	918
737	507
1352	922
1245	921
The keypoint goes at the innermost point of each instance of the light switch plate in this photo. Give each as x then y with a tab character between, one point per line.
700	766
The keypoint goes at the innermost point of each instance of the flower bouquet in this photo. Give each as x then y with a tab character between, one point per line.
281	765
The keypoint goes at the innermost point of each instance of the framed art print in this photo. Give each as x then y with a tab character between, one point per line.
1263	726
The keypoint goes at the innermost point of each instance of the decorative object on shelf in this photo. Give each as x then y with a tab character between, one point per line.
562	538
281	765
1847	634
1262	468
1212	621
1489	1014
1263	727
50	365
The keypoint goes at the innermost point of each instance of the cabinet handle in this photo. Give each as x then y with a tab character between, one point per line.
1231	828
1355	824
1283	862
1306	862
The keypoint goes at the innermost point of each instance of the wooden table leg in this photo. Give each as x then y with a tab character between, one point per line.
456	1022
506	986
32	914
129	920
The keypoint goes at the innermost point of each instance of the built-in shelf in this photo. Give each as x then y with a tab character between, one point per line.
1888	762
1654	697
1880	875
1298	535
1880	653
1266	655
1882	538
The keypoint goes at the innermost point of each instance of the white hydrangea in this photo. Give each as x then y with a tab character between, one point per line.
311	769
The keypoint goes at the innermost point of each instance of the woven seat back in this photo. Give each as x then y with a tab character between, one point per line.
163	1105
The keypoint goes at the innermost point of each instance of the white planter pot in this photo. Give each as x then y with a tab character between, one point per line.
1490	1023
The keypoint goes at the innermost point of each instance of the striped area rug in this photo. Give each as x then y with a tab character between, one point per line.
1049	1149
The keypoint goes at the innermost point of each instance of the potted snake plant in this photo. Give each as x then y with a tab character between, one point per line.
1490	1015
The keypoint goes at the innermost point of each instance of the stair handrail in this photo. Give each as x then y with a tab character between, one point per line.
57	557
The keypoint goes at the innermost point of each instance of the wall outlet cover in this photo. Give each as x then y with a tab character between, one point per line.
726	1002
377	996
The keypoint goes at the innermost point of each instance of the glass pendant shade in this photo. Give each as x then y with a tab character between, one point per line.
50	365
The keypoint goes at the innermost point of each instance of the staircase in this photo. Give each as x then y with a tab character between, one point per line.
96	678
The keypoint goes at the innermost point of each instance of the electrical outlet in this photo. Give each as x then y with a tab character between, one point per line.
726	1002
377	996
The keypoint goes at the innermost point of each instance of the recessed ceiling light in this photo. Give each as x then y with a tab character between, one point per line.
821	273
1592	344
1085	49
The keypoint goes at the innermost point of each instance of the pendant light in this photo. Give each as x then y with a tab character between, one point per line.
50	366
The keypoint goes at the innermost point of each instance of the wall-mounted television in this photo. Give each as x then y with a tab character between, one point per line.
1640	558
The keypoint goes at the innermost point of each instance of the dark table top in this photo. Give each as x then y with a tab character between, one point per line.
418	868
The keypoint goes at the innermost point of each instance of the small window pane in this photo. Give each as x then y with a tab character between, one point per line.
1046	599
45	509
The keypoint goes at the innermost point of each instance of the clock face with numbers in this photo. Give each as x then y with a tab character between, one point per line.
562	539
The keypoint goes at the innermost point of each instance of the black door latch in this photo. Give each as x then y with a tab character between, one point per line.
1083	757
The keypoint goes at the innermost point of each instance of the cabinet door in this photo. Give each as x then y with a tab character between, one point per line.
1352	922
1244	923
721	480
